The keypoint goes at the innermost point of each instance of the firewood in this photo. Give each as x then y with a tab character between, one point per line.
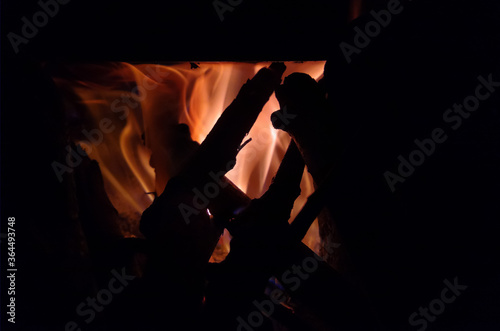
215	157
307	120
312	124
273	208
218	150
264	244
259	236
182	233
181	148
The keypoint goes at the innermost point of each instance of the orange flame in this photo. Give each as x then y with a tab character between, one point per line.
141	104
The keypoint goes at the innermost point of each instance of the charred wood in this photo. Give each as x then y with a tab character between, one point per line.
264	245
303	100
182	233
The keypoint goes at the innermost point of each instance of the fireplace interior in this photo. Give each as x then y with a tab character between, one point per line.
171	167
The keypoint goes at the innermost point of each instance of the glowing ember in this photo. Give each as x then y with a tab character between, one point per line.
140	149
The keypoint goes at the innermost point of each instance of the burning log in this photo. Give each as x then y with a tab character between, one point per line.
218	151
178	223
230	198
303	97
245	272
266	219
259	237
216	156
263	245
312	127
275	206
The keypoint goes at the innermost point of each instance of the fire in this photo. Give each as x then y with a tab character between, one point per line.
140	149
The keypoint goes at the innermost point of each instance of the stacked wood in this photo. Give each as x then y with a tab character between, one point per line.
264	244
178	224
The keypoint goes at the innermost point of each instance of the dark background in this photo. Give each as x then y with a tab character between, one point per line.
180	30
